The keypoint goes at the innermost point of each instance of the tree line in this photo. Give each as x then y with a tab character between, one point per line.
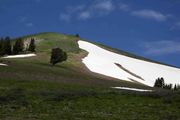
14	47
161	84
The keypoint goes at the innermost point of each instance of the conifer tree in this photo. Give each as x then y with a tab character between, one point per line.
175	87
32	46
77	35
159	82
18	46
57	55
7	46
2	47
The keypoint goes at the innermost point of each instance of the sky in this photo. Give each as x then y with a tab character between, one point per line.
149	28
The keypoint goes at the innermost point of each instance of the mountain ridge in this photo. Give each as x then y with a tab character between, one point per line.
110	48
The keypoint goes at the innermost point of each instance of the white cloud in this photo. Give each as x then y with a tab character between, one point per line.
29	24
176	26
124	7
65	17
150	14
83	12
84	15
161	47
99	8
22	19
74	9
105	5
71	12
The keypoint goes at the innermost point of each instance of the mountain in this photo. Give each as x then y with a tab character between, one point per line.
127	68
82	86
100	59
71	71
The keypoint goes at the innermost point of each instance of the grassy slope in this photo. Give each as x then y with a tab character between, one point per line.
32	89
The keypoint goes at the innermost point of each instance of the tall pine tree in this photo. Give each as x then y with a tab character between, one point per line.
32	45
18	46
2	47
7	46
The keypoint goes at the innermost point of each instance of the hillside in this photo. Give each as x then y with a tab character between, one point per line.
36	67
30	88
127	68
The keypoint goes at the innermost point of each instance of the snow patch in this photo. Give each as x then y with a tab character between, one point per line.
133	89
105	62
1	64
20	56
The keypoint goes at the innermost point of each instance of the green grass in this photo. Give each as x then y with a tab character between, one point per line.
31	89
44	100
47	41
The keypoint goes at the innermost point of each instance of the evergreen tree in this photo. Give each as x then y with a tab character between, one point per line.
32	46
167	86
175	88
18	46
77	35
57	55
159	82
7	46
2	47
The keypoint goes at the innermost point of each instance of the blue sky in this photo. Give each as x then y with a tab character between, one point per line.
149	28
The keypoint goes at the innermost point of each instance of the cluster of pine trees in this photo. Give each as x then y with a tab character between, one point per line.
161	84
11	47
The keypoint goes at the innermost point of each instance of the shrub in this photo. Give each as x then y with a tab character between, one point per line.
57	55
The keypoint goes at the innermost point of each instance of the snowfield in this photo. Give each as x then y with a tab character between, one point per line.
126	68
20	56
132	89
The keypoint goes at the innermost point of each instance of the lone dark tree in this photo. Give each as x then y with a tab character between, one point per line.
18	46
175	87
2	47
32	45
159	82
58	55
7	46
77	35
